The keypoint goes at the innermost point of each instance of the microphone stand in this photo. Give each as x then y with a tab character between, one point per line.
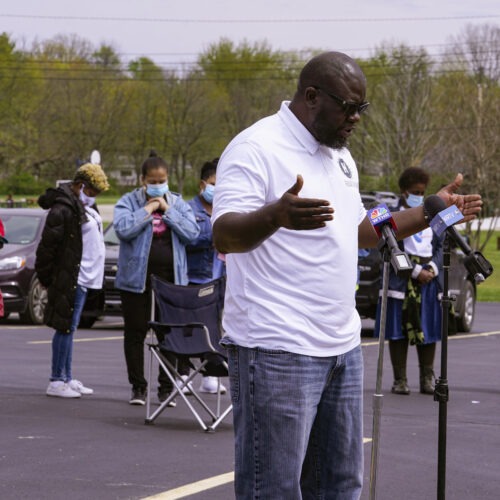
441	386
381	220
378	396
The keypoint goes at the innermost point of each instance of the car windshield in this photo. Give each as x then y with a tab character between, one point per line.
110	237
21	229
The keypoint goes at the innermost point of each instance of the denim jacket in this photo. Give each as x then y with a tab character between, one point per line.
133	225
200	253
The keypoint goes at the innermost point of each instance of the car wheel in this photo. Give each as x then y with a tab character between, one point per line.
37	300
87	321
466	314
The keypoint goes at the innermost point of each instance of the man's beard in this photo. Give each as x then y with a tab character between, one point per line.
326	136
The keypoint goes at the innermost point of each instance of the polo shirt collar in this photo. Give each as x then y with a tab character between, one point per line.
299	131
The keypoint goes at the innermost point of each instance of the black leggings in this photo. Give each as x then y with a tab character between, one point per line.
136	309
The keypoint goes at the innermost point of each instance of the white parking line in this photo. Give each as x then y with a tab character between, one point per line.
197	487
463	336
203	485
97	339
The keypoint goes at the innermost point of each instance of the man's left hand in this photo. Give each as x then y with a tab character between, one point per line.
468	204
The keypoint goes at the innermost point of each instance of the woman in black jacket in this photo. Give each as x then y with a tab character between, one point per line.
69	261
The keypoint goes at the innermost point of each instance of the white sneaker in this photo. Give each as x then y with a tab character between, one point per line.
77	386
62	390
188	388
209	385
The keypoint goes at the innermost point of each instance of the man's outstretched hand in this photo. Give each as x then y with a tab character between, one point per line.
468	204
294	212
241	232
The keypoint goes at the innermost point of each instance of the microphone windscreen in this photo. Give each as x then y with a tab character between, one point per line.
433	204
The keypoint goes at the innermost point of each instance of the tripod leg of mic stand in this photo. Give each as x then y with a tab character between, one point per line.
378	396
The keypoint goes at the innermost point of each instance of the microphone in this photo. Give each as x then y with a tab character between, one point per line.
442	219
381	219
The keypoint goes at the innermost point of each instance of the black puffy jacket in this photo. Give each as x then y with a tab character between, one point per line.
59	254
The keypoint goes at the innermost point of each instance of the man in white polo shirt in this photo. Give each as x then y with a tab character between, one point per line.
288	214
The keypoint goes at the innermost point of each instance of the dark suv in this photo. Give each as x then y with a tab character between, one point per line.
113	304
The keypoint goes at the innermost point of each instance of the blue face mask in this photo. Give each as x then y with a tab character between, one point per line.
414	201
157	190
208	193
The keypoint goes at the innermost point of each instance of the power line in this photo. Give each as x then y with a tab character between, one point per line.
285	51
208	77
236	68
251	21
92	63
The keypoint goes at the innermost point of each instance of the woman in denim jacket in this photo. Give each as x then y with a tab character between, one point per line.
154	226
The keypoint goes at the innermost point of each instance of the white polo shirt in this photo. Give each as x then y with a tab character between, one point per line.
295	291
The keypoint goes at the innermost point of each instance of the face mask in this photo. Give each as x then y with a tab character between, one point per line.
157	190
208	193
414	201
87	201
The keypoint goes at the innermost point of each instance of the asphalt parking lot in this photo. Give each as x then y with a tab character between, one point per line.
98	447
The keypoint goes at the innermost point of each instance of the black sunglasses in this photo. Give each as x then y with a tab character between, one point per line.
348	107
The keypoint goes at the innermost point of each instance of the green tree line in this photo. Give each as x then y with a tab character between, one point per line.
63	98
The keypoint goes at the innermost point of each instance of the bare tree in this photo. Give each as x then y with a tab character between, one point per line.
252	79
193	132
471	100
398	128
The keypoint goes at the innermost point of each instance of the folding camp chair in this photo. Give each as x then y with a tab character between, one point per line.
188	323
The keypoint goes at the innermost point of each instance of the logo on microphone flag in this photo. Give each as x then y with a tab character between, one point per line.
379	216
445	219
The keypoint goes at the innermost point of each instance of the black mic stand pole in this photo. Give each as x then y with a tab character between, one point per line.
441	387
377	397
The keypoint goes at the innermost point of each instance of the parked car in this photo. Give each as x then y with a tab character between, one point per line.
388	197
21	290
461	285
113	305
369	200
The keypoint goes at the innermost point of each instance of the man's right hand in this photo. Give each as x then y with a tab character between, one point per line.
294	212
242	232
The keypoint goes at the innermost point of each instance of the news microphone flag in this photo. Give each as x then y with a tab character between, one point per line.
442	220
379	216
381	219
445	219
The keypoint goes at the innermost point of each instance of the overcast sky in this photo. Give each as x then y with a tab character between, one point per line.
169	31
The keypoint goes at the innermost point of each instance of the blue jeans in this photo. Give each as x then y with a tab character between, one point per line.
298	423
62	342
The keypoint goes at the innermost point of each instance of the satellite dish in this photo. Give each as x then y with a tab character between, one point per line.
95	157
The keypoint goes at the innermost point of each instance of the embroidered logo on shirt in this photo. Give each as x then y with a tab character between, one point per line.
345	168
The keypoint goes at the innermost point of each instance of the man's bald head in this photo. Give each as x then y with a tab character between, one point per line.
329	67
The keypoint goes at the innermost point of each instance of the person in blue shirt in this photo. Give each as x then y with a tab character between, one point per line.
204	262
154	226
